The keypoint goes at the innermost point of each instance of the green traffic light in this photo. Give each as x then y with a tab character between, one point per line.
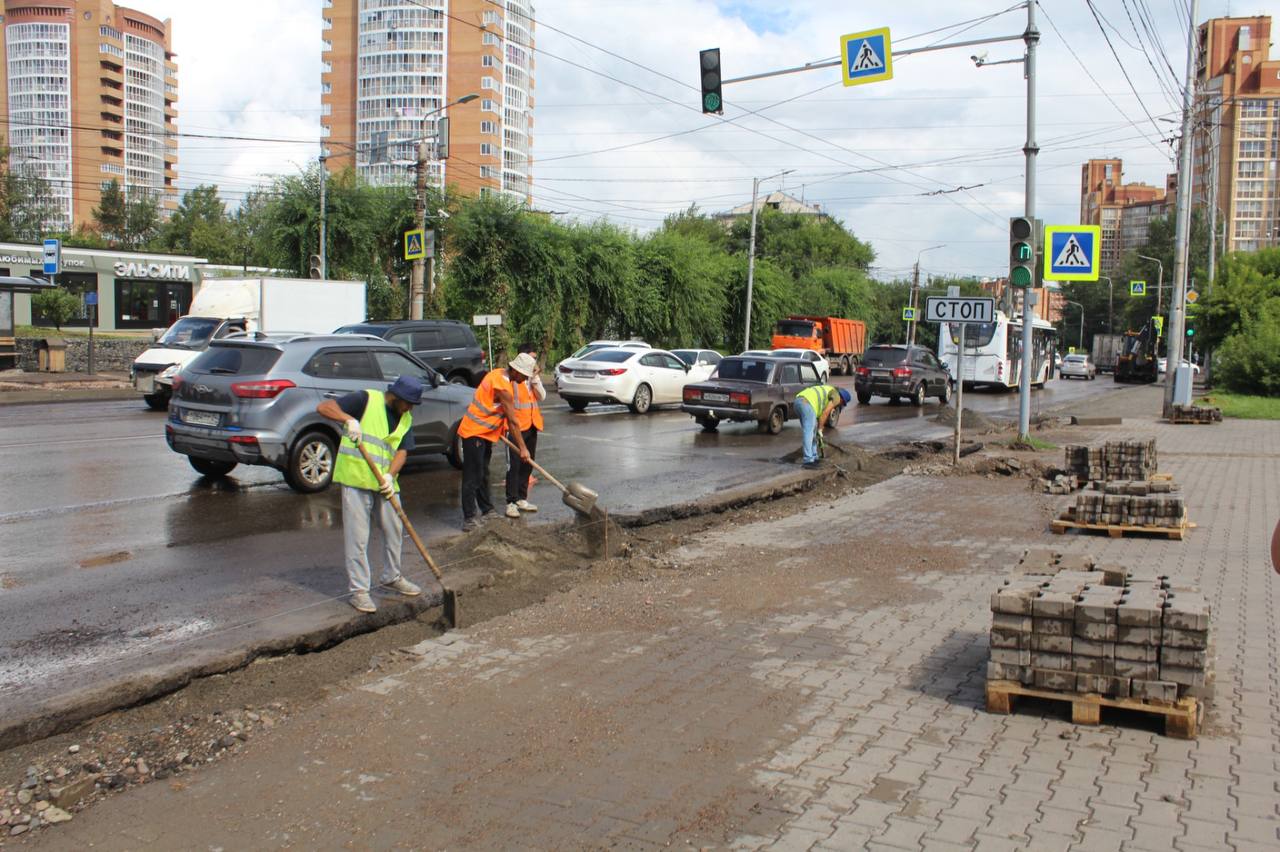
1020	276
711	102
1022	252
1191	332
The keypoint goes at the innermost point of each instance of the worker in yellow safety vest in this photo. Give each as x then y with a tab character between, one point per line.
815	405
528	395
491	414
381	422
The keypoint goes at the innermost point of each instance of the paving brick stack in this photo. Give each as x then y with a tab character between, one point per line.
1085	628
1197	414
1132	503
1133	459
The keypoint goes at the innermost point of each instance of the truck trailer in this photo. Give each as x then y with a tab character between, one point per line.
1106	349
841	341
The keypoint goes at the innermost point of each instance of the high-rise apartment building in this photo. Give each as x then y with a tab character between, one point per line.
1234	166
390	66
1123	210
90	95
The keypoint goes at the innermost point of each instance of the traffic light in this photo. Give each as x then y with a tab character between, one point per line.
712	99
315	267
1022	252
442	138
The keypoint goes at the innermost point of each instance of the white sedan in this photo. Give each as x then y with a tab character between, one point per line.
815	358
702	362
640	379
1163	364
597	345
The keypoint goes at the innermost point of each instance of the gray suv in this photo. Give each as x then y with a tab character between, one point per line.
252	400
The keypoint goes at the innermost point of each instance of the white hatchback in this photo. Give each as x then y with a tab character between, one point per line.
639	378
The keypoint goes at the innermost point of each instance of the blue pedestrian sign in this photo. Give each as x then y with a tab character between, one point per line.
415	244
1137	288
868	57
52	257
1071	252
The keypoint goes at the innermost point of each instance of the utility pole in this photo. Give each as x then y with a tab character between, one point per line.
911	301
751	254
324	218
416	290
1182	230
1111	314
1031	37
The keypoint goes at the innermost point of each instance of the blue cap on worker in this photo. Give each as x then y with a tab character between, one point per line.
845	398
408	388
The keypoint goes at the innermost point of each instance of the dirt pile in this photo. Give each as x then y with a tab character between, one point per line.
848	457
974	421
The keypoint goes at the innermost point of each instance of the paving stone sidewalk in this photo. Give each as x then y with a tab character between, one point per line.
836	709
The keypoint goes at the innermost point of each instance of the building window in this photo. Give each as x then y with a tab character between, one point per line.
1253	108
1251	169
1250	188
488	127
491	17
1251	149
489	83
1249	209
488	172
488	61
486	149
151	304
489	39
326	88
487	105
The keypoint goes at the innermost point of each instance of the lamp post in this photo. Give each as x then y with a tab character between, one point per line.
1159	281
416	283
1111	311
751	254
1080	345
915	288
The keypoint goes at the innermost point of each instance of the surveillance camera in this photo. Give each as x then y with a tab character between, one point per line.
443	214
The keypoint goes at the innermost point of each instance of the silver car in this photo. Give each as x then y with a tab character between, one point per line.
252	400
1077	367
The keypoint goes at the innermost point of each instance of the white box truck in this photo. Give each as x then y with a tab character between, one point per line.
1106	348
223	307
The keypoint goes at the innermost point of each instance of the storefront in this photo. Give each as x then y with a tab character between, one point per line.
134	291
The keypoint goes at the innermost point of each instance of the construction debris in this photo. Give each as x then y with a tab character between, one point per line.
1196	414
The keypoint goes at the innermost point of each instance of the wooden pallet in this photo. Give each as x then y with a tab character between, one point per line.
1068	522
1181	719
1161	477
1182	421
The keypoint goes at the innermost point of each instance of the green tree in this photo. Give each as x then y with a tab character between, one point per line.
200	227
1247	282
57	305
126	220
1249	359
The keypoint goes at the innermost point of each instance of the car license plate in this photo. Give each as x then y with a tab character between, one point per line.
716	397
201	418
880	373
145	383
583	374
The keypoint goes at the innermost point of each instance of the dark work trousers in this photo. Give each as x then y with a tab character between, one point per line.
476	454
518	472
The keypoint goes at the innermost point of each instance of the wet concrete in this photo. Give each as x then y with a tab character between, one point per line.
117	559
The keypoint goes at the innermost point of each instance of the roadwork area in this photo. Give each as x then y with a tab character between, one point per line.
805	672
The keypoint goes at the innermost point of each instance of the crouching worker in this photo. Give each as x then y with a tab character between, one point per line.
815	406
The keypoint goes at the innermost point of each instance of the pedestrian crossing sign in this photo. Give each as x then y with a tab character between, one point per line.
867	57
1137	288
909	314
1071	252
415	244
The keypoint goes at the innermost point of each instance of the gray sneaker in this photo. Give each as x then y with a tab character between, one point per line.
402	586
362	602
470	525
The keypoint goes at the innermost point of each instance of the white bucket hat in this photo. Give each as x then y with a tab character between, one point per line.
524	364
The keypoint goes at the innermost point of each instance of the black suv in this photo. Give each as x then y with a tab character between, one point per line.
448	346
898	371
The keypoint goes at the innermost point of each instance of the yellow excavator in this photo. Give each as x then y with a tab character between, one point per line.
1137	362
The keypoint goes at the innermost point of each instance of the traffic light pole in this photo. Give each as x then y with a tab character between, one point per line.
1178	301
1031	37
416	282
324	175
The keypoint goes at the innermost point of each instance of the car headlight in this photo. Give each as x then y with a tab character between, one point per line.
169	372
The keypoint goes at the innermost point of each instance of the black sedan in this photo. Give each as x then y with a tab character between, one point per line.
747	388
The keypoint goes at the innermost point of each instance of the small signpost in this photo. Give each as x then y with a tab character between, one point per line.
488	321
1137	288
867	57
909	314
91	302
962	311
415	247
52	257
1072	252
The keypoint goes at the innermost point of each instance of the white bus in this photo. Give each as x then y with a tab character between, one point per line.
993	351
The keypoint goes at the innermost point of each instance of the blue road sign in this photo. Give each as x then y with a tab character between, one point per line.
414	245
1071	252
91	298
1137	288
52	257
868	57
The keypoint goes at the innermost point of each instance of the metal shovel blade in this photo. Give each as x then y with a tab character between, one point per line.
580	498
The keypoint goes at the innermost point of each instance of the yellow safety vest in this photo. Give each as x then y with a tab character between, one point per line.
382	444
818	397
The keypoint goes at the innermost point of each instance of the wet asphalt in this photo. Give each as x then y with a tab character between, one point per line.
116	556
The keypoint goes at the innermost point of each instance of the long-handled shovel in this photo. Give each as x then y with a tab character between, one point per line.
577	496
449	596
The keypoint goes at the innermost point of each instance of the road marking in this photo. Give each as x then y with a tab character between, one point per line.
79	441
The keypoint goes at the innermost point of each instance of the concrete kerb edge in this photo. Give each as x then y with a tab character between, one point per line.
41	397
68	711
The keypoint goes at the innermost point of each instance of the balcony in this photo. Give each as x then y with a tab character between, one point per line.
113	74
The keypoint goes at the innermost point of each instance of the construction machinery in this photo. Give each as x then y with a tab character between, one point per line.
1137	362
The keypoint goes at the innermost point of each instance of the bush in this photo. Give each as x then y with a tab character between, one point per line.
57	305
1249	360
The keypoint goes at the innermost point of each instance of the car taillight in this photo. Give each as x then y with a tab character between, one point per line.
740	398
692	394
565	369
901	372
243	439
612	371
864	371
269	389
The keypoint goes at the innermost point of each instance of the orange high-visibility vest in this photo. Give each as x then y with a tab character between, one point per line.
484	418
528	412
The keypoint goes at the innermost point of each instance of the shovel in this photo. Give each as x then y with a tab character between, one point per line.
577	496
449	596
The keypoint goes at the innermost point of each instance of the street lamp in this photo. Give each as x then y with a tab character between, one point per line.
1080	345
751	254
915	287
1110	304
1159	281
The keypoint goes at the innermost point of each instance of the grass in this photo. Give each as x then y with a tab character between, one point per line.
1244	406
1032	443
69	331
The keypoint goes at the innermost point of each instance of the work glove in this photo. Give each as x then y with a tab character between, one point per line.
388	488
353	432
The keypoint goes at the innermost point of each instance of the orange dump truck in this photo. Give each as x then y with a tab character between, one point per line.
841	341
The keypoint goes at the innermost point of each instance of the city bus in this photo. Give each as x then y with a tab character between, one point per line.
993	351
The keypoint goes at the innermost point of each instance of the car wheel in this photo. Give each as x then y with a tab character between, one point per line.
156	401
945	396
210	468
642	401
774	424
454	453
575	404
460	379
709	424
846	366
864	398
311	463
917	398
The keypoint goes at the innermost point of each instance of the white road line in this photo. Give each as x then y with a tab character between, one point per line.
79	441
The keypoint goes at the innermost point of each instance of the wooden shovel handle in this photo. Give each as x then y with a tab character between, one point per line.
539	468
404	519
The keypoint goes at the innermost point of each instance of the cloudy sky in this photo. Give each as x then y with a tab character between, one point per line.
888	159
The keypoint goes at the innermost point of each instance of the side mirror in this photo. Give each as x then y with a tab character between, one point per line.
687	368
435	379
